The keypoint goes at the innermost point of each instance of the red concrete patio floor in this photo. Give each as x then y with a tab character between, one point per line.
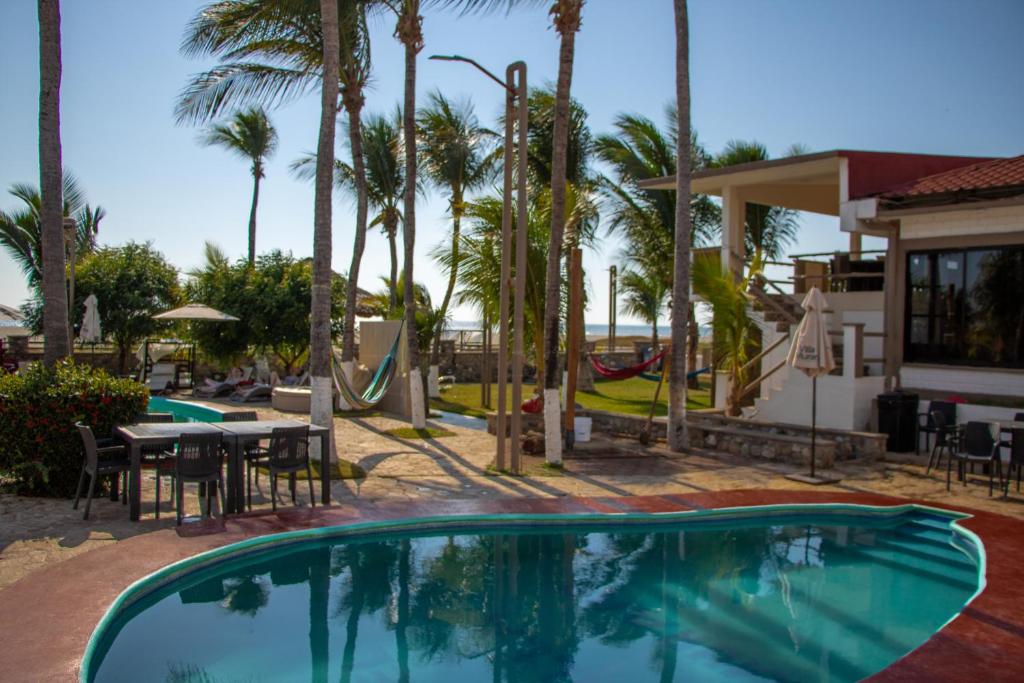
47	617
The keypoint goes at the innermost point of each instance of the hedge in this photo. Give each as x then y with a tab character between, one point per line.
39	445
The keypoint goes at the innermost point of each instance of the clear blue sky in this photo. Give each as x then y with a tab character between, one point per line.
914	75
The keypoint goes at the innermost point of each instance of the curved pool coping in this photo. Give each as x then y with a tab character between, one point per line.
48	617
164	576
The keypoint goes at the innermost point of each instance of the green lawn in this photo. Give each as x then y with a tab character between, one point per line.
631	396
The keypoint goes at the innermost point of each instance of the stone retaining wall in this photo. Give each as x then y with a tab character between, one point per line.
746	438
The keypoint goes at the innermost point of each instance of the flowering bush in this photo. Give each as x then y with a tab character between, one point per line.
39	445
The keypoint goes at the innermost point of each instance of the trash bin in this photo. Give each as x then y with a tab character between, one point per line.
897	418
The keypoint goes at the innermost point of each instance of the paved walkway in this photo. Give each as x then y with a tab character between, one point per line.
36	532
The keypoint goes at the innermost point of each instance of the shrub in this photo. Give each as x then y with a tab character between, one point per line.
39	445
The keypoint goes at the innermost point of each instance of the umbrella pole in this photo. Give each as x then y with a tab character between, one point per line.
814	418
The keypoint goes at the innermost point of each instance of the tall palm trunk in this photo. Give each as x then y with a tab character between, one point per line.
320	408
410	32
392	229
677	432
354	105
257	171
453	274
654	337
51	214
567	22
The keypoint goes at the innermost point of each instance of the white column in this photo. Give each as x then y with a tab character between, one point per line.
853	350
734	211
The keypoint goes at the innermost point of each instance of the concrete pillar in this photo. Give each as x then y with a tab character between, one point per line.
855	245
853	350
734	217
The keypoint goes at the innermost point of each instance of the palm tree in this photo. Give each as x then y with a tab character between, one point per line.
678	436
643	297
409	31
637	151
271	52
321	411
21	230
566	19
385	178
736	336
454	158
55	296
769	229
250	135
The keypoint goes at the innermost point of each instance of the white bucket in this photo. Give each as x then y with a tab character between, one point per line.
581	427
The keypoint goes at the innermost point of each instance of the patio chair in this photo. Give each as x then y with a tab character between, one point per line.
201	460
926	426
945	439
255	454
1005	443
977	444
157	457
1016	462
100	460
288	454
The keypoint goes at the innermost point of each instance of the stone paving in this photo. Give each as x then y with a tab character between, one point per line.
36	531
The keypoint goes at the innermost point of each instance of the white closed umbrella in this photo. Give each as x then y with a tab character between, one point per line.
90	332
811	352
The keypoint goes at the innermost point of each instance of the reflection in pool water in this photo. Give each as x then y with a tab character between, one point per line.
794	598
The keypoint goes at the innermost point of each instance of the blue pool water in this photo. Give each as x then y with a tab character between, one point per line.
183	411
804	594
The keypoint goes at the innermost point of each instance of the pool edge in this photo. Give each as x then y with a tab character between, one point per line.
155	580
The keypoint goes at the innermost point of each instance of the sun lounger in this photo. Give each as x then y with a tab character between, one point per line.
161	379
212	388
251	393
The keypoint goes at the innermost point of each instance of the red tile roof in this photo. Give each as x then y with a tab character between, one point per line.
987	175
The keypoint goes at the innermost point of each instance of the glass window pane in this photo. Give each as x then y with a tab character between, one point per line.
919	330
918	270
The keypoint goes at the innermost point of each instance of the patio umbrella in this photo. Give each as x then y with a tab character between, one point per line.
811	352
90	332
195	312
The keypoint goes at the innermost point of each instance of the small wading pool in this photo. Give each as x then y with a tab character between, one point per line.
822	592
183	411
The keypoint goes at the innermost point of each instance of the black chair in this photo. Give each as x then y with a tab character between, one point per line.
926	426
288	454
1016	457
157	457
99	461
976	444
255	455
945	439
199	459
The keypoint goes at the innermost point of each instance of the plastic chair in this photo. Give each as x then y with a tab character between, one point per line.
255	455
977	444
926	426
945	439
288	454
1016	458
199	459
99	461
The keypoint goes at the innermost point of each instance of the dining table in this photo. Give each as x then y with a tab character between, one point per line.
236	436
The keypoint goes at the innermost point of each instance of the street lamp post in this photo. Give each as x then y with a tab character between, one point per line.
515	111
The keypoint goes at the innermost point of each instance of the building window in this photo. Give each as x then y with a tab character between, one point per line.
965	307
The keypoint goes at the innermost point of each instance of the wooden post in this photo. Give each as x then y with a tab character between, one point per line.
572	344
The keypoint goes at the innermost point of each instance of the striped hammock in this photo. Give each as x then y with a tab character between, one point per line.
379	383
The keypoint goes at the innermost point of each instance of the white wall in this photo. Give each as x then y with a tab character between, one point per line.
843	402
860	307
969	222
954	380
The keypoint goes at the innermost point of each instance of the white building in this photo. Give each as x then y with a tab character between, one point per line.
939	311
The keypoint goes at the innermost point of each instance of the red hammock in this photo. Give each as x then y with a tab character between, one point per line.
624	373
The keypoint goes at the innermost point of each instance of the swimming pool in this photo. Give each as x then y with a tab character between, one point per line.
183	411
832	592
